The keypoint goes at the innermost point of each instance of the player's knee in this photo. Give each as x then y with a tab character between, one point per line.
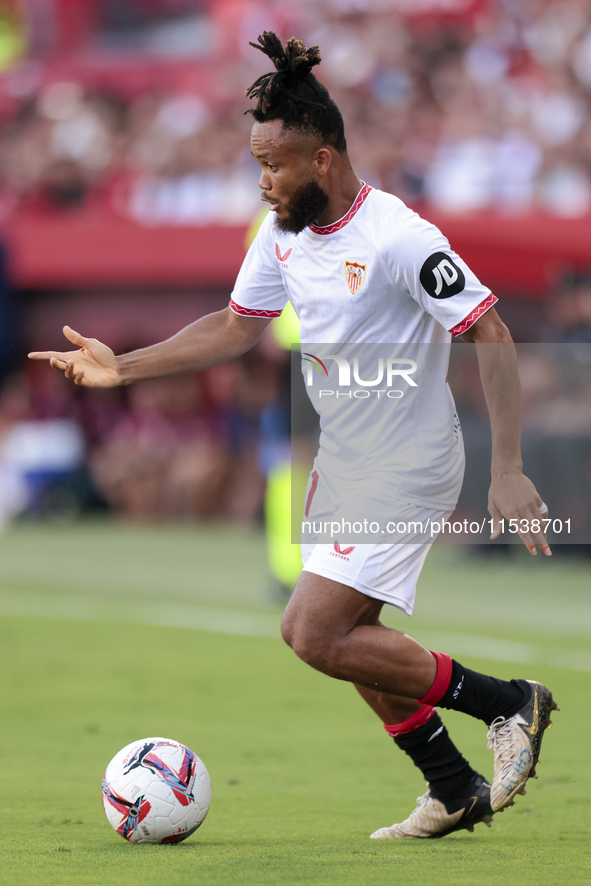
312	647
288	628
295	633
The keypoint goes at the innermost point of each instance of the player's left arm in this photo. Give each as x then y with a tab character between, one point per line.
512	495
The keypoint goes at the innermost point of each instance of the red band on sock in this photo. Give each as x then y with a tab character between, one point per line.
442	679
414	722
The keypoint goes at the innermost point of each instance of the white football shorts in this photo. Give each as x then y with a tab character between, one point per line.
387	572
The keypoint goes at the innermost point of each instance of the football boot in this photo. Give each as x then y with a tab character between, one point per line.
431	819
516	743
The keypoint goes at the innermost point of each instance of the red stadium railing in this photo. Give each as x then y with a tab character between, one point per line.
94	246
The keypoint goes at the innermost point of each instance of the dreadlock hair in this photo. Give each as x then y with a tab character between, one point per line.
292	93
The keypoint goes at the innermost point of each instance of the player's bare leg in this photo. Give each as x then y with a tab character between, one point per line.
337	630
334	629
458	797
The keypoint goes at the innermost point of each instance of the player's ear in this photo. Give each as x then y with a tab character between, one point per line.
323	160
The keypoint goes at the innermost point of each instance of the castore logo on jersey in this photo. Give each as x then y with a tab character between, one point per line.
342	553
282	259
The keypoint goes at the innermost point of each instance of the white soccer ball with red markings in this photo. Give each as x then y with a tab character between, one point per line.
156	791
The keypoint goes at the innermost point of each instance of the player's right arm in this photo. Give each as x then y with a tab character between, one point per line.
215	338
258	296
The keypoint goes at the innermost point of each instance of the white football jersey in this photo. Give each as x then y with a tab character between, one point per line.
381	275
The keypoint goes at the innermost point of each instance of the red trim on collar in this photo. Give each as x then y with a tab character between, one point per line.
336	226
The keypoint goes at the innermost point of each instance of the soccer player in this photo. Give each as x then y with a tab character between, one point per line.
325	223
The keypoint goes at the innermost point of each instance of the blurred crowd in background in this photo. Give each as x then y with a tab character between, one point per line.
462	105
486	106
191	447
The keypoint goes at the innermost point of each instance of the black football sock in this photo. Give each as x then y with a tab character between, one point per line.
450	776
481	696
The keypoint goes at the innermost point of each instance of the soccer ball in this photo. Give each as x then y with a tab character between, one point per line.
156	791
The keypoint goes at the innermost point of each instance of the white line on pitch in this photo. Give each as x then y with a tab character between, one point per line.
76	607
507	650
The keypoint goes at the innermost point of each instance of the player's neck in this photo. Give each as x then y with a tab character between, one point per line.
342	191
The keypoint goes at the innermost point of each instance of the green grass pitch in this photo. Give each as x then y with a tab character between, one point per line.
110	634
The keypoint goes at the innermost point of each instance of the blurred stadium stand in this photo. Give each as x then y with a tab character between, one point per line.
126	188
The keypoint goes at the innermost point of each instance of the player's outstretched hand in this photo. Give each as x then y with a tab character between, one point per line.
516	506
94	365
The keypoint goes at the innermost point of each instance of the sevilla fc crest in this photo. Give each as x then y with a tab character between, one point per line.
355	274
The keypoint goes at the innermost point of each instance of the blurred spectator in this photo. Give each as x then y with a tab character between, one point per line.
38	454
163	458
187	447
570	311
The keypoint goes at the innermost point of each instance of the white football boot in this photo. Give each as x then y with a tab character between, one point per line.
431	819
516	742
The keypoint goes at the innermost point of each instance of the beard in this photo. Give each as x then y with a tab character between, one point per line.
307	204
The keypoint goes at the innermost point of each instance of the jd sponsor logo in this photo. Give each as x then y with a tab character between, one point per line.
441	277
389	371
